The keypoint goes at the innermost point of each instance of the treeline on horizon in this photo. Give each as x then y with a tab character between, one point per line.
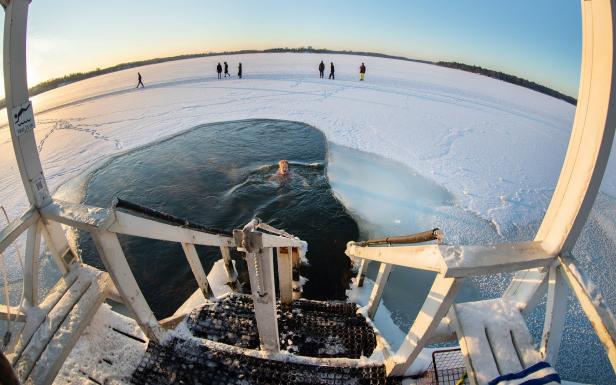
77	76
509	79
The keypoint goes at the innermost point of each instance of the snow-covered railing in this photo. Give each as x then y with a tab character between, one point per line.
453	263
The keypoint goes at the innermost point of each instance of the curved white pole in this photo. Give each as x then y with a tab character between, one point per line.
588	151
21	121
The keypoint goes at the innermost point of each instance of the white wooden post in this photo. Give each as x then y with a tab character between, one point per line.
285	275
111	253
361	273
438	302
32	265
197	268
377	290
229	268
261	271
21	118
592	301
555	311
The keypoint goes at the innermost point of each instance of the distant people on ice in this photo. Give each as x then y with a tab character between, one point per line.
227	70
331	71
362	72
239	71
139	81
219	70
321	69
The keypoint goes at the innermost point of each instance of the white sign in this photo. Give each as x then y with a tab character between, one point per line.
23	118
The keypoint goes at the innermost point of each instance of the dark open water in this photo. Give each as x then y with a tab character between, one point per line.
220	175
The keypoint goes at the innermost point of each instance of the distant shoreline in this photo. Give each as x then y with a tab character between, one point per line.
75	77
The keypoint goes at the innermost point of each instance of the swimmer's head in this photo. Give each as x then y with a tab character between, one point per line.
283	167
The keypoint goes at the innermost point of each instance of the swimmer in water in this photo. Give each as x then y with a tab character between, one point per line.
283	168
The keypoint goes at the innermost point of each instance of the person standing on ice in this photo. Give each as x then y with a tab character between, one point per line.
219	70
139	81
331	71
239	70
227	70
362	72
321	69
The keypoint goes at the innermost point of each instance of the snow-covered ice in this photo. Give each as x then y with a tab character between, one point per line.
476	156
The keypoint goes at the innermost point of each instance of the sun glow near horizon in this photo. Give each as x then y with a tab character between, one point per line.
539	41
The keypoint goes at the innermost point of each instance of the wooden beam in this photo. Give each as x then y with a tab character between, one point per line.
377	289
285	275
9	234
111	254
592	301
436	306
555	312
16	313
361	272
32	266
197	268
459	261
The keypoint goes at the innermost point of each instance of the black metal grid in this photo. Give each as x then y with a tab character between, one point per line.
447	368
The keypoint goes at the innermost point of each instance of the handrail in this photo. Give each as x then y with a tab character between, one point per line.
435	234
91	218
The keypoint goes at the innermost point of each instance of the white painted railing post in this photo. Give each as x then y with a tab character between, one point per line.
260	263
32	265
555	311
113	257
285	274
229	268
361	272
377	290
436	306
197	268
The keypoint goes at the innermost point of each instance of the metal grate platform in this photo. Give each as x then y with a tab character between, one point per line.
188	362
447	368
309	328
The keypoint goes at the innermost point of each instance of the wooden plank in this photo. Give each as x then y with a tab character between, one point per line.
261	272
427	257
46	330
436	306
377	289
285	275
32	265
78	215
36	317
10	233
52	358
592	301
197	268
555	311
111	254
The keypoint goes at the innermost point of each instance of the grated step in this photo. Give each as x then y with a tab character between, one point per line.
189	362
308	328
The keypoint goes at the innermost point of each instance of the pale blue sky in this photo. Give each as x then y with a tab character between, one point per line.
536	39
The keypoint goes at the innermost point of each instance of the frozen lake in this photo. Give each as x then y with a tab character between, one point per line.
474	156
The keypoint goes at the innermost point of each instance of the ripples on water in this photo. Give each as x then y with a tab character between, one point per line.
222	175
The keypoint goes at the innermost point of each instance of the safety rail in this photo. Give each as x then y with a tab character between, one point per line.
453	263
104	224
